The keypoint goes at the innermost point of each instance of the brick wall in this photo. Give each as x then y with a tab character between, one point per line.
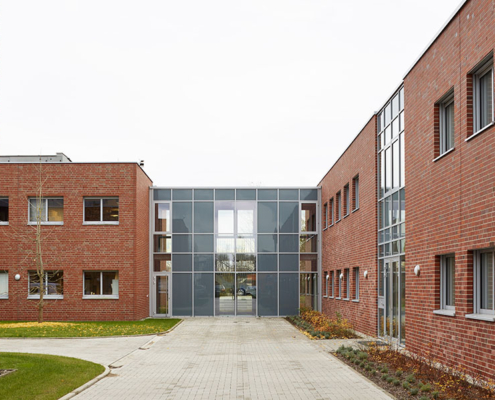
352	241
74	247
450	203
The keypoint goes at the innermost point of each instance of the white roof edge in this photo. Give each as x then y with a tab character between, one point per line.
436	36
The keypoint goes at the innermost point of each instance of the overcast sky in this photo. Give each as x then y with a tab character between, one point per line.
225	93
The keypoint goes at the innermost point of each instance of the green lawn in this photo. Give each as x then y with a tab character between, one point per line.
84	329
43	377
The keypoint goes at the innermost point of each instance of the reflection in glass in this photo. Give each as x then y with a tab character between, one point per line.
267	262
224	262
288	217
162	243
182	294
182	217
245	244
267	217
288	294
162	217
203	243
203	217
289	243
182	244
308	217
161	295
203	194
308	244
308	262
402	299
289	194
224	294
246	294
203	294
182	194
267	243
203	262
268	294
486	280
288	262
246	262
162	262
182	262
267	194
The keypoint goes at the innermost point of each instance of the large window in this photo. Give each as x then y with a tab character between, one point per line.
4	284
447	282
53	284
4	210
101	284
101	210
47	210
483	95
484	282
446	122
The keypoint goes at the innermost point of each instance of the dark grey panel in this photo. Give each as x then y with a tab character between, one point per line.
203	262
288	194
289	294
182	217
181	262
203	294
224	194
203	194
182	243
309	194
182	294
203	218
267	243
161	194
288	262
267	217
267	295
182	194
203	243
289	243
267	194
267	262
289	221
246	194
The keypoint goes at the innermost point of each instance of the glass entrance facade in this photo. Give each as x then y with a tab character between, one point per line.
228	251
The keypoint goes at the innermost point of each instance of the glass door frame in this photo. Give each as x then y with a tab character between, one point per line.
386	301
154	298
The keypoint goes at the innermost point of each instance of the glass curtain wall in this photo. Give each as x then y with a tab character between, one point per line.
391	219
236	251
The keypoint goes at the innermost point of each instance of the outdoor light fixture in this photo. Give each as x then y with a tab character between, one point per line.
328	276
17	277
416	270
341	276
366	274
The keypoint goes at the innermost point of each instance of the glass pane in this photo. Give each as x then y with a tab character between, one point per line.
449	281
309	194
401	121
182	217
203	217
203	262
382	173
203	194
380	278
395	127
246	217
110	209
245	244
182	194
225	245
288	220
267	194
396	172
246	262
288	194
449	127
267	217
381	322
162	244
267	262
55	210
267	243
182	244
246	194
485	99
395	105
162	262
92	284
203	243
395	300
486	281
162	217
267	297
289	294
308	262
162	295
289	243
37	209
161	194
308	244
4	210
289	262
4	283
403	206
91	210
203	295
182	262
388	177
110	283
224	194
246	294
182	294
225	262
224	218
402	162
395	208
308	217
402	299
224	294
388	114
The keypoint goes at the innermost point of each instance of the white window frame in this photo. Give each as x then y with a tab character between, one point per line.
45	296
6	294
100	222
445	102
486	67
45	200
477	282
443	282
101	296
8	208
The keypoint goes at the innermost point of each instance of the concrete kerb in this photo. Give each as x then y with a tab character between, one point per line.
78	390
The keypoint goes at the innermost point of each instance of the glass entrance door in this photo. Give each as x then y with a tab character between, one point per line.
235	294
391	300
162	295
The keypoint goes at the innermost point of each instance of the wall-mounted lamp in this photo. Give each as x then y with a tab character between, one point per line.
17	277
328	276
417	269
366	274
341	276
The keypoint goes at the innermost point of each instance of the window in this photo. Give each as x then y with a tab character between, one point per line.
446	122
48	210
356	283
101	284
4	284
484	283
331	213
101	210
447	282
332	282
338	210
4	210
347	278
53	284
482	79
327	277
355	193
339	278
325	215
347	200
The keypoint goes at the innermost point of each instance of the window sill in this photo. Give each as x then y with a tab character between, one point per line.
46	297
338	298
356	209
355	300
331	297
480	131
4	297
444	154
345	216
481	317
98	297
337	220
448	313
3	223
100	223
346	299
46	223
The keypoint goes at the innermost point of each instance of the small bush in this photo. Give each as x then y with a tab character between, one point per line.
426	388
367	368
361	364
384	370
390	379
414	391
373	372
362	355
384	377
435	394
398	373
406	385
356	361
396	382
411	378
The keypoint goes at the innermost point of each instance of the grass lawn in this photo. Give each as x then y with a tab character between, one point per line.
84	329
43	377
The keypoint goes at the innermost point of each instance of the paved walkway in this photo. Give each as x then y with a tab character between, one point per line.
214	358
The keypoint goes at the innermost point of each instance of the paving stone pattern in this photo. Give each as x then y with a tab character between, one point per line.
233	358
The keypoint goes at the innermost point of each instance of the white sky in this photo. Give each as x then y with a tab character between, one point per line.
224	93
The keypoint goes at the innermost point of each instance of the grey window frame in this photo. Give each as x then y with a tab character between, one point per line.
339	273
443	282
100	222
486	67
325	216
327	277
332	279
446	136
477	283
347	200
356	284
101	296
347	277
8	210
6	294
331	210
355	188
45	296
338	205
45	200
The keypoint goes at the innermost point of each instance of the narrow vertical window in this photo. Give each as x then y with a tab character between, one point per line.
332	282
339	279
447	286
347	200
331	212
338	207
482	79
4	284
356	283
325	292
446	122
325	215
4	210
355	193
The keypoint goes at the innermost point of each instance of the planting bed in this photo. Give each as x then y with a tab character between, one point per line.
318	326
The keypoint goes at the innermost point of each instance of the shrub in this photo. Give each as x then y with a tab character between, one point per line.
390	379
411	378
362	355
435	394
396	382
406	385
398	373
414	391
426	388
361	364
373	372
384	377
384	370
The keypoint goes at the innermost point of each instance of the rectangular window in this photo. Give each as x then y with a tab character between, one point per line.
482	79
332	283
338	206
331	212
46	210
325	291
356	283
347	200
447	282
347	278
446	121
355	193
339	279
4	210
4	284
53	284
325	215
101	210
102	284
484	282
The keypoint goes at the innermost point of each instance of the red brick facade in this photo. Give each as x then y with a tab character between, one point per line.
74	247
352	242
